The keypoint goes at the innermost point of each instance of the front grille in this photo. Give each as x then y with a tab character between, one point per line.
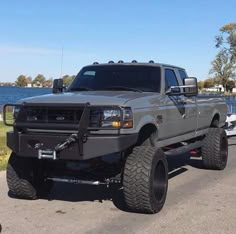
50	115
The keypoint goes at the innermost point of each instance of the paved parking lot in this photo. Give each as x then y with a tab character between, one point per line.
198	201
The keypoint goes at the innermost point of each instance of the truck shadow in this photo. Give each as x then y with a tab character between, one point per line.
114	193
78	193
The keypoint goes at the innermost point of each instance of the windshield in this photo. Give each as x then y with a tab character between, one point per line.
118	77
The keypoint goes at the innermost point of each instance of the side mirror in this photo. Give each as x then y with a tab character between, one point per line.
190	86
57	86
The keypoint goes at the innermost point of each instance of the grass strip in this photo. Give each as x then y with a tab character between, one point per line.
4	150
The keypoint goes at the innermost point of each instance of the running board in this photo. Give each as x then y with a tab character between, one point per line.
184	149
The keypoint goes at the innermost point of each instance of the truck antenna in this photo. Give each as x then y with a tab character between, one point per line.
62	54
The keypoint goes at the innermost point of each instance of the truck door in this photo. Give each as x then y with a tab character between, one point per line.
174	107
191	108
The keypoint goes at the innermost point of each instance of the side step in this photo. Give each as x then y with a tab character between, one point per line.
184	149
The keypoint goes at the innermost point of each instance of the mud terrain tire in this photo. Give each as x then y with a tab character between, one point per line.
145	180
25	179
215	149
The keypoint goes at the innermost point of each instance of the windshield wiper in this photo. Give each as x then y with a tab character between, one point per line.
81	89
123	88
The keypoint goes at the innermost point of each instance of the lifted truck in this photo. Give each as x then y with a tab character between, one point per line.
116	123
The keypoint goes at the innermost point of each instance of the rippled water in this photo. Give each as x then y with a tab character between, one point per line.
11	95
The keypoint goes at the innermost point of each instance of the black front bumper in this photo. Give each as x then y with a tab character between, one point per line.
29	145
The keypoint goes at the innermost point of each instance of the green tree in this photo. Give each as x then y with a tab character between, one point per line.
21	81
39	80
208	83
67	80
200	84
222	68
230	85
226	41
224	65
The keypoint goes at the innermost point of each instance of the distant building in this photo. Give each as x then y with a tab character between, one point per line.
7	84
218	89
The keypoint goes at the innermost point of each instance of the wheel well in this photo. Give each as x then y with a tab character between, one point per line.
145	132
215	121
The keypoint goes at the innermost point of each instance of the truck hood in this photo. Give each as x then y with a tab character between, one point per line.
119	98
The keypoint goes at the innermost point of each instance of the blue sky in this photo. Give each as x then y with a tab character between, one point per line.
33	33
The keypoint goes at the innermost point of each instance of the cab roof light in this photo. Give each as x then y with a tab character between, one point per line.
95	63
134	61
151	61
120	61
111	61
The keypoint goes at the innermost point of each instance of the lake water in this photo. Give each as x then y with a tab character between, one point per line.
11	95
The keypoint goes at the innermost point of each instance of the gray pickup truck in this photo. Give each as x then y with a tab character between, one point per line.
115	123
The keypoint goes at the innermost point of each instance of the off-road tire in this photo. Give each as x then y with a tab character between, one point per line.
145	180
149	139
215	123
215	149
24	178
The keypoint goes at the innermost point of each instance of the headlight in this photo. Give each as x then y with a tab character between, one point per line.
111	118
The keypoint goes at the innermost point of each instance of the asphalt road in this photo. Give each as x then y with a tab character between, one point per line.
198	201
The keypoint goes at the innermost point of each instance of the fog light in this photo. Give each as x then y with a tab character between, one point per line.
116	124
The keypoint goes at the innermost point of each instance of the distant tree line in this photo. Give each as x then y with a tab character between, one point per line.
40	81
211	82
